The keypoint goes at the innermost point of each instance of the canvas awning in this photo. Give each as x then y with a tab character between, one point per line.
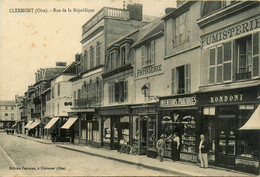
33	125
69	123
28	124
14	125
254	122
51	123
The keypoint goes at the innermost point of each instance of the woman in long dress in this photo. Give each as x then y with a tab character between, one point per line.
175	147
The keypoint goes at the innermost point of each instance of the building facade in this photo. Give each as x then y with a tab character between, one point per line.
8	114
229	88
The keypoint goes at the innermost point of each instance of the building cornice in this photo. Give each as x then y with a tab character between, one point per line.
224	13
117	70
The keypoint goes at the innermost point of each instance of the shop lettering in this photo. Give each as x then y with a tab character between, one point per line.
187	157
149	70
144	110
179	101
225	99
229	32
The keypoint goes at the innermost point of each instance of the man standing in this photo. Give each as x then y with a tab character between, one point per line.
203	152
161	147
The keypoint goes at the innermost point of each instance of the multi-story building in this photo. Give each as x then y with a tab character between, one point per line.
18	104
8	114
58	101
230	82
178	107
108	25
29	109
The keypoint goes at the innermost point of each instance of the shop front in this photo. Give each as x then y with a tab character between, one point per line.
180	114
115	126
223	114
145	129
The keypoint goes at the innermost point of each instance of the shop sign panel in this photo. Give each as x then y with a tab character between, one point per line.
189	157
142	110
176	102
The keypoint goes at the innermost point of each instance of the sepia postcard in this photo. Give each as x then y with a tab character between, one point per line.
129	88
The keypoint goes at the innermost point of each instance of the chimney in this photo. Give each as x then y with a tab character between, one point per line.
77	57
169	9
61	63
136	11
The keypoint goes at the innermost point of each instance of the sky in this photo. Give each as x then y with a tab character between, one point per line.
30	40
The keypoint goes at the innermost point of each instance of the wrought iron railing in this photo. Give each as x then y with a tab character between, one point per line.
244	75
93	101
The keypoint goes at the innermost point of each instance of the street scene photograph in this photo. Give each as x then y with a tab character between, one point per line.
129	88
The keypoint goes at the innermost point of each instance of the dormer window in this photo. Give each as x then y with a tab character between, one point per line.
148	54
98	54
123	55
91	61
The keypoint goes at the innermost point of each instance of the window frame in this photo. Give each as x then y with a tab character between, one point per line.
148	54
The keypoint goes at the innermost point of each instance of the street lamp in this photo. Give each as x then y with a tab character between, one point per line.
144	90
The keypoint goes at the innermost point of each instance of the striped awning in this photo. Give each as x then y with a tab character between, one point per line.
28	124
51	123
254	122
69	123
33	125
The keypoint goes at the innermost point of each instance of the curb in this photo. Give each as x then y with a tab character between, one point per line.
33	140
175	172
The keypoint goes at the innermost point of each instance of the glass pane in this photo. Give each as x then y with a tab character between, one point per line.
256	66
152	131
256	43
211	75
212	57
107	130
227	51
135	130
227	71
220	55
219	74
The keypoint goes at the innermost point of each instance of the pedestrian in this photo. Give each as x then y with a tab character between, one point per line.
203	151
160	146
175	153
12	131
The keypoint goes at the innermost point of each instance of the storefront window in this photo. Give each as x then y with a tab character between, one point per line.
189	134
96	133
107	130
247	144
124	125
135	130
83	128
152	131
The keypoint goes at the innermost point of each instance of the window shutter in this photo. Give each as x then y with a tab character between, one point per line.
256	63
219	63
110	93
227	62
173	81
125	90
143	55
187	78
152	52
212	66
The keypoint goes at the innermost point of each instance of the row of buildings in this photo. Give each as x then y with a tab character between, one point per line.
195	70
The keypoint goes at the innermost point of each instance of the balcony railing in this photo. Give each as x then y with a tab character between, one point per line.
106	12
37	100
93	101
245	75
36	115
180	90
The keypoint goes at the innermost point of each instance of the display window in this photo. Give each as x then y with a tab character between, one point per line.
124	125
248	143
152	130
107	130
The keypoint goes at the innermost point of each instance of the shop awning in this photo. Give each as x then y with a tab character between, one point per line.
28	124
69	123
33	125
14	125
51	123
254	122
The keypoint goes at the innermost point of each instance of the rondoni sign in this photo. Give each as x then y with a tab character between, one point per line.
231	31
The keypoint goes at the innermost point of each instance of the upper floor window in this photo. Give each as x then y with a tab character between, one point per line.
118	92
12	116
85	63
6	114
211	6
181	82
98	54
75	95
12	108
220	63
79	93
58	90
58	108
148	54
112	60
123	55
52	91
181	29
91	61
6	108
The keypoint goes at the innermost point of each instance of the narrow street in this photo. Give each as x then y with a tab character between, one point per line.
33	158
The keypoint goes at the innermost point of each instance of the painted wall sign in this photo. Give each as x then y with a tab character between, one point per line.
148	70
226	98
189	157
145	110
184	101
231	31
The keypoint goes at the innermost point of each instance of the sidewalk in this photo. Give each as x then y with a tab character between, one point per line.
168	166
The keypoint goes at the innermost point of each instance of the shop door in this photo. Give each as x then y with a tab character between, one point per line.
89	132
226	149
143	134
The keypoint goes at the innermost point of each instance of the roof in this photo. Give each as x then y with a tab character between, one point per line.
70	69
51	72
149	30
7	103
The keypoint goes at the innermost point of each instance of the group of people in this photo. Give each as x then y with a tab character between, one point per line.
203	148
9	131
